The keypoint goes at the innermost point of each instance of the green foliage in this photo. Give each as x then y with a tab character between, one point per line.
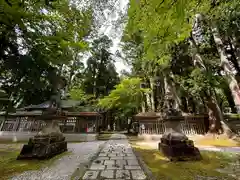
159	45
36	40
77	94
100	74
126	98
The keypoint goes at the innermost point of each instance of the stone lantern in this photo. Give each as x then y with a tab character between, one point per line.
49	141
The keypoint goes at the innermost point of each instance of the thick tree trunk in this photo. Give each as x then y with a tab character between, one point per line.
184	106
233	58
216	119
167	93
148	99
171	99
177	100
227	67
215	116
236	47
216	124
230	100
144	103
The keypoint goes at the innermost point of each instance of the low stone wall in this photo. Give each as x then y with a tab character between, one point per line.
24	136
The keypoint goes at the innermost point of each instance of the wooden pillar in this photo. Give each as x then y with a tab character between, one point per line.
78	124
16	124
1	122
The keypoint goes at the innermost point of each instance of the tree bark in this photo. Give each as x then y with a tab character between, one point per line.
152	94
143	103
215	116
230	99
227	67
216	120
216	123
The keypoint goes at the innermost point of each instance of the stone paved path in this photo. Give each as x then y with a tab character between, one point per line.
63	168
116	161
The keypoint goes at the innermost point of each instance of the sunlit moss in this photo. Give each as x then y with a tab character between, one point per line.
164	169
215	141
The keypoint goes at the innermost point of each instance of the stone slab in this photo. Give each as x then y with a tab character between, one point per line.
97	167
90	175
112	154
109	162
116	158
130	154
102	154
123	174
121	162
114	167
121	155
132	162
130	157
138	175
102	158
107	174
132	167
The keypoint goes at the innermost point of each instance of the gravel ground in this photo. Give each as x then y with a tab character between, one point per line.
63	168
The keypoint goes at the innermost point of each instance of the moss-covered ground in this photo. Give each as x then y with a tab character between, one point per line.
9	166
162	168
217	142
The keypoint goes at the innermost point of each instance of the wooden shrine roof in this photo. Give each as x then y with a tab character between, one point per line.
66	104
147	115
39	113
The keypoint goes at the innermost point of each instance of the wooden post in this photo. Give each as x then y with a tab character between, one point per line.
16	124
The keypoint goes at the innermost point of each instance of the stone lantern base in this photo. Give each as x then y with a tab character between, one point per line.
176	146
46	144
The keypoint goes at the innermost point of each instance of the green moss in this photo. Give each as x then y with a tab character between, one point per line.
233	115
164	169
9	166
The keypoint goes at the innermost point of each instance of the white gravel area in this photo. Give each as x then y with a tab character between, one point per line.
63	168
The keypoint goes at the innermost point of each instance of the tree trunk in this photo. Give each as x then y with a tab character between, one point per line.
143	103
152	94
215	116
216	120
233	58
227	67
236	47
177	100
229	97
167	93
214	112
184	106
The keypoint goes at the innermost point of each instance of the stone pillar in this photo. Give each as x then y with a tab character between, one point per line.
173	125
51	127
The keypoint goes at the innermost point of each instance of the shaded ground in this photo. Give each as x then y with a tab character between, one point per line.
60	167
208	168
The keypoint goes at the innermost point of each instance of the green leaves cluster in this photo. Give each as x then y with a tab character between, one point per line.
159	44
127	96
38	38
